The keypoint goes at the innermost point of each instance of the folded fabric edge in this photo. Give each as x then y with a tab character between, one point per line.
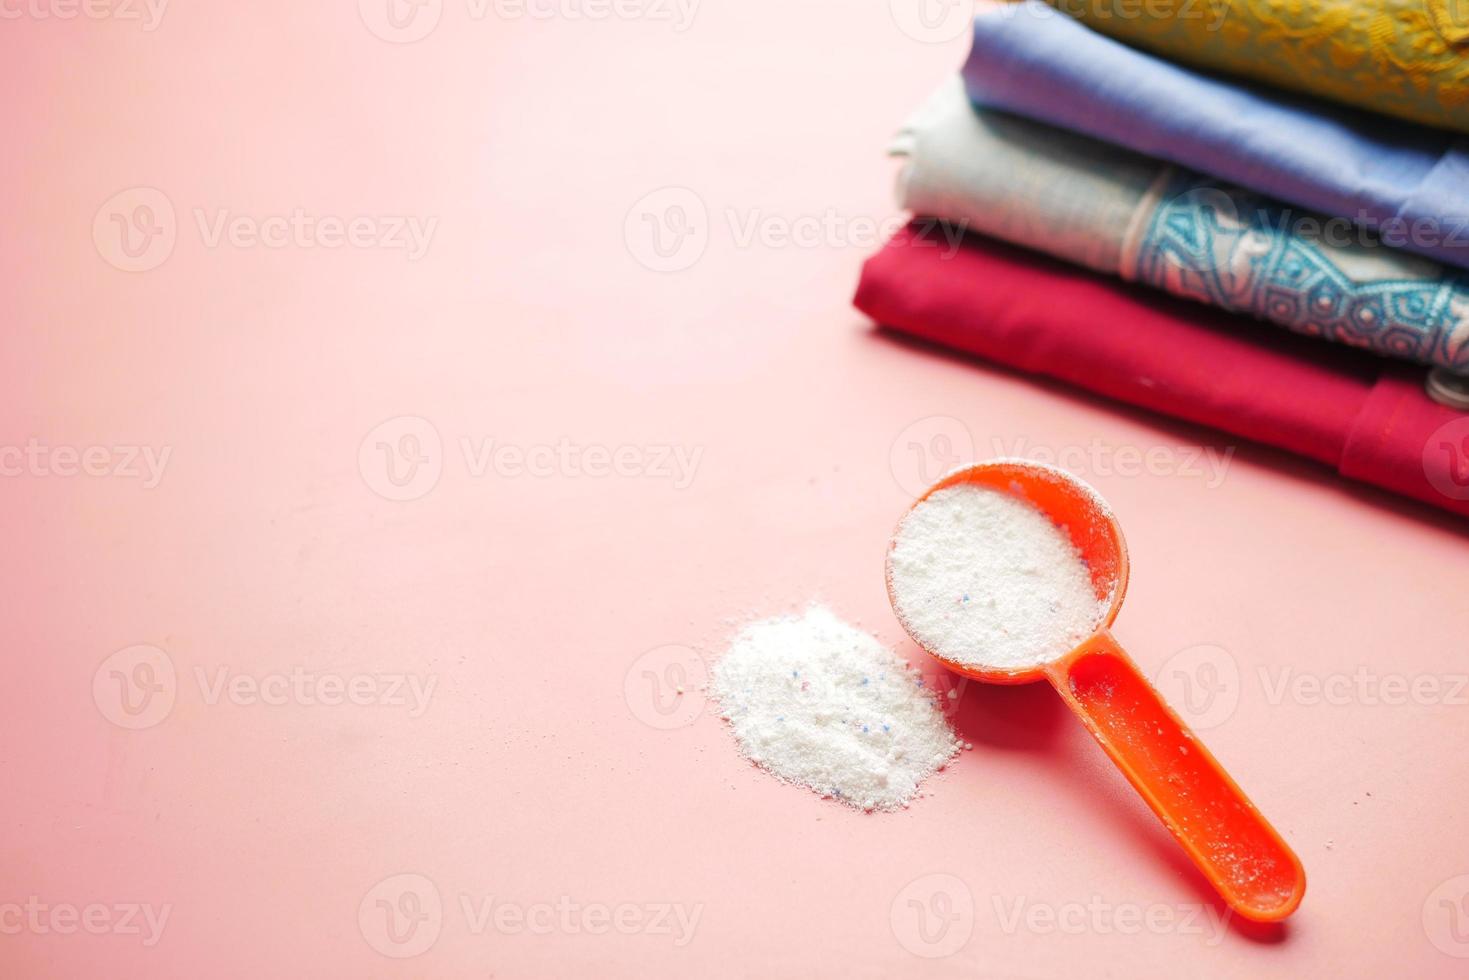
1367	454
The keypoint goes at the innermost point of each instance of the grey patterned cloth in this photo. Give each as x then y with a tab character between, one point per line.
1124	214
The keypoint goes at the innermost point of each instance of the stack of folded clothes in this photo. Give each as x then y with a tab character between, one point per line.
1124	177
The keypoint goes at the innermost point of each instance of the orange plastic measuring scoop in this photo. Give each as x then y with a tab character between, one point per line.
1230	841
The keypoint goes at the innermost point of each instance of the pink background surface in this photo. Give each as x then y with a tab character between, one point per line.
541	608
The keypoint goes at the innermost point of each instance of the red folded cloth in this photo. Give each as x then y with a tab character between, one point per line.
1368	418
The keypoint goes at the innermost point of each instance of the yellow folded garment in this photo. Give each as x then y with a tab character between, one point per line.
1406	58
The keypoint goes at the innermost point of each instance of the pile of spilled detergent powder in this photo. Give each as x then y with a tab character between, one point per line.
979	577
983	578
818	702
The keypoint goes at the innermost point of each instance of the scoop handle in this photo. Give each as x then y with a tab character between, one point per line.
1230	841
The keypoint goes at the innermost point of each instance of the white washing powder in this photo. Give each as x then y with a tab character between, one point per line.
818	702
982	578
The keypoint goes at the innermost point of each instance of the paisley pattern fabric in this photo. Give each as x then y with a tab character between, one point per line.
1234	249
1405	58
1128	215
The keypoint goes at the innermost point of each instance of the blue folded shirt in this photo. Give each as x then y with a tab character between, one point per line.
1407	183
